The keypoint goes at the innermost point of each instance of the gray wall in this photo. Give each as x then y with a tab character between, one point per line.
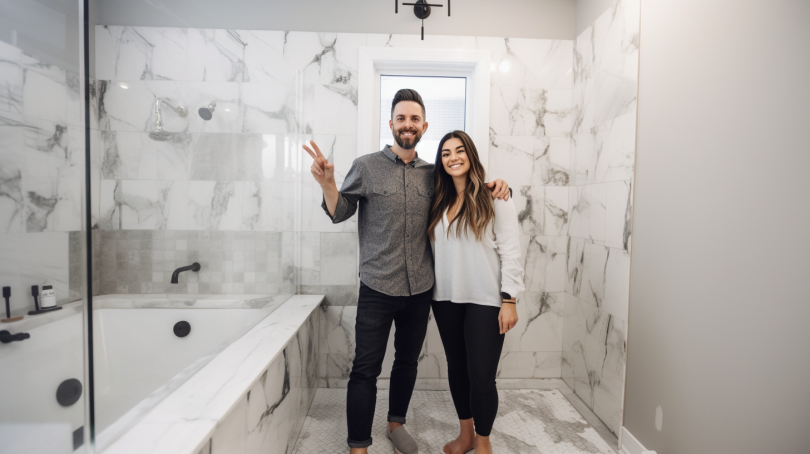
719	304
542	19
587	11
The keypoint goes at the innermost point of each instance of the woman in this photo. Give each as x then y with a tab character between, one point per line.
478	274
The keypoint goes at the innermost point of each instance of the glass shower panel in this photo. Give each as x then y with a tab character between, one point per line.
43	384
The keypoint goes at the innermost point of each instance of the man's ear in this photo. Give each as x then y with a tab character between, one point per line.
391	124
424	128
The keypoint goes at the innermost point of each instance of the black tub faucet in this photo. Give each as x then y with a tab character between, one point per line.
193	267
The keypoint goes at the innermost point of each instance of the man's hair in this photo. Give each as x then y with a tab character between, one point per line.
407	94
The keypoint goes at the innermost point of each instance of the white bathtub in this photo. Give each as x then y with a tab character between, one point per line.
138	361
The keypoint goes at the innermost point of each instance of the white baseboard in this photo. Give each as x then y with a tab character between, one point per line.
632	446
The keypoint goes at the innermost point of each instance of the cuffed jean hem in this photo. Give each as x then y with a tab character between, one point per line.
359	444
397	419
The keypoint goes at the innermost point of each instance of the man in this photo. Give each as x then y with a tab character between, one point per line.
394	189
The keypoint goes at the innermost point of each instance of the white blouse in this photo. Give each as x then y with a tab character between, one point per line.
471	271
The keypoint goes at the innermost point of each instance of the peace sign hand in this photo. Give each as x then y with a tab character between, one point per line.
322	170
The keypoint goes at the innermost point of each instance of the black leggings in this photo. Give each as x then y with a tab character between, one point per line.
473	343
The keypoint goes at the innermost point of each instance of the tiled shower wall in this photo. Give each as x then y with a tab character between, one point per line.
41	177
242	171
600	192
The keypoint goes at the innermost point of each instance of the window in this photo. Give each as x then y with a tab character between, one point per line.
445	99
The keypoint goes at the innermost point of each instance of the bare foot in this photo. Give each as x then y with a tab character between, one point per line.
461	445
482	445
465	441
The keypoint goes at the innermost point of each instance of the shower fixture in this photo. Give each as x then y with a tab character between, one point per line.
206	113
159	134
421	9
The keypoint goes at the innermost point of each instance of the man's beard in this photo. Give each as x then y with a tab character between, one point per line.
417	136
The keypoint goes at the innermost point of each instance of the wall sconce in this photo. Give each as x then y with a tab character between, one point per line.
421	9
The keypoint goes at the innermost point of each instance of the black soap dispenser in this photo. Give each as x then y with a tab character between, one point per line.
35	294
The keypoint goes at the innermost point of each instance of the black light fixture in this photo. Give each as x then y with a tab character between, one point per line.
421	9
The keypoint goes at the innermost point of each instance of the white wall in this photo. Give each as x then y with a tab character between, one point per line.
542	19
719	305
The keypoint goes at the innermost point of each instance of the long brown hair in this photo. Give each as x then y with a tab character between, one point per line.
477	208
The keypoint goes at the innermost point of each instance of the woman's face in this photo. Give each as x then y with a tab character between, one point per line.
454	158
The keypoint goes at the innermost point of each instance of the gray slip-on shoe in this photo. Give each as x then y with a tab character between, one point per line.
403	442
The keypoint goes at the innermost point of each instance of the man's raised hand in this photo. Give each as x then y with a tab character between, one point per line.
322	170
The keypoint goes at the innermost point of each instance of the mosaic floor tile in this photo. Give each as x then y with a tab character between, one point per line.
529	422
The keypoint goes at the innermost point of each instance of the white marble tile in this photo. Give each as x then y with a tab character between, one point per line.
128	155
45	91
227	116
618	216
597	208
336	113
337	342
141	53
309	267
339	149
532	63
511	159
529	202
12	201
227	157
616	141
313	217
579	200
576	263
339	259
593	274
540	327
11	73
545	264
214	205
216	55
264	57
551	161
617	284
273	108
231	432
556	215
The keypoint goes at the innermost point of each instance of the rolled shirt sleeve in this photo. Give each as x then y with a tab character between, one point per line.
354	187
507	240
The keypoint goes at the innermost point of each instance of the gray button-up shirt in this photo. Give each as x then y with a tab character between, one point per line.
395	198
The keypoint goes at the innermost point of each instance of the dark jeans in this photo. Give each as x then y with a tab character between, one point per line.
375	313
472	343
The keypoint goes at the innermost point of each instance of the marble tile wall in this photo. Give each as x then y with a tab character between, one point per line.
41	176
243	171
269	417
600	194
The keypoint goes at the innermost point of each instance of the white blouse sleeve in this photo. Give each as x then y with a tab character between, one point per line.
507	244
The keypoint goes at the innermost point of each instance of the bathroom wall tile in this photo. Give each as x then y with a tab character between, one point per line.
579	200
45	91
597	205
227	157
575	268
313	217
216	55
617	284
545	264
540	323
12	201
227	115
337	340
336	111
618	214
551	161
593	274
273	108
616	141
128	155
214	205
141	53
529	202
338	259
264	57
511	159
11	73
556	215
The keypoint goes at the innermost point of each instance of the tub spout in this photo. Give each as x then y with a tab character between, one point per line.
193	267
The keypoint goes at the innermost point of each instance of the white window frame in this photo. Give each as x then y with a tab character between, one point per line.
474	64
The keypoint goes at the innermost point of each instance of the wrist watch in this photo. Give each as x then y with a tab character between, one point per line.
505	296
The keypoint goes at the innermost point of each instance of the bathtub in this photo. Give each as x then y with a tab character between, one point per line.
143	368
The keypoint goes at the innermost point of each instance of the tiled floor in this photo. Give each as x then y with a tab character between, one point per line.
529	422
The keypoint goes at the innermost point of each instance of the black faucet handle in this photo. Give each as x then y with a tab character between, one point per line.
6	337
6	292
34	290
195	267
